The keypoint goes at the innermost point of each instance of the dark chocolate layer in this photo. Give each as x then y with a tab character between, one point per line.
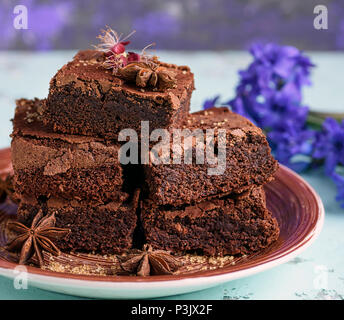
239	225
104	229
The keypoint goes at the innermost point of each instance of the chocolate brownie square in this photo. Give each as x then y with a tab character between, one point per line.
221	226
99	228
247	161
85	98
57	165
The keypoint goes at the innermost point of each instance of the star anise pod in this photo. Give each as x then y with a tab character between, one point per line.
145	74
150	262
6	188
33	240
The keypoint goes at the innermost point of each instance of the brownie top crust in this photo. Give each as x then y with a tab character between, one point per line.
219	117
237	129
86	72
57	153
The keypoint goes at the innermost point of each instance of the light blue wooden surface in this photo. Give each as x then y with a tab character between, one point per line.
318	273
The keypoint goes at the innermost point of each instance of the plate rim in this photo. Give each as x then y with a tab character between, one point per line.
219	275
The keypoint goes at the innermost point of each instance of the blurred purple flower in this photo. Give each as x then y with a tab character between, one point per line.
292	146
329	144
272	113
46	22
209	103
339	181
275	69
245	106
340	36
157	25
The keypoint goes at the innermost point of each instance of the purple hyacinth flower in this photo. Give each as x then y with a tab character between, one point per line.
339	181
329	144
275	70
292	146
209	103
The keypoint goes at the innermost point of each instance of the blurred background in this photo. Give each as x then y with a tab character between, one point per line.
173	24
211	36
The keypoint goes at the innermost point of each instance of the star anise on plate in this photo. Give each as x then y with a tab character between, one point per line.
148	74
6	188
150	262
33	240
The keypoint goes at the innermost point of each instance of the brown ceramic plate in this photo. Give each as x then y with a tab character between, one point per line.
291	200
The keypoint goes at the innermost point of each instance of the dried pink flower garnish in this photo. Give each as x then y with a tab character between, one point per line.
113	46
133	57
148	58
111	42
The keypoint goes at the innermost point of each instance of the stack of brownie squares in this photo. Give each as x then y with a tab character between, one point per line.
189	210
66	151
